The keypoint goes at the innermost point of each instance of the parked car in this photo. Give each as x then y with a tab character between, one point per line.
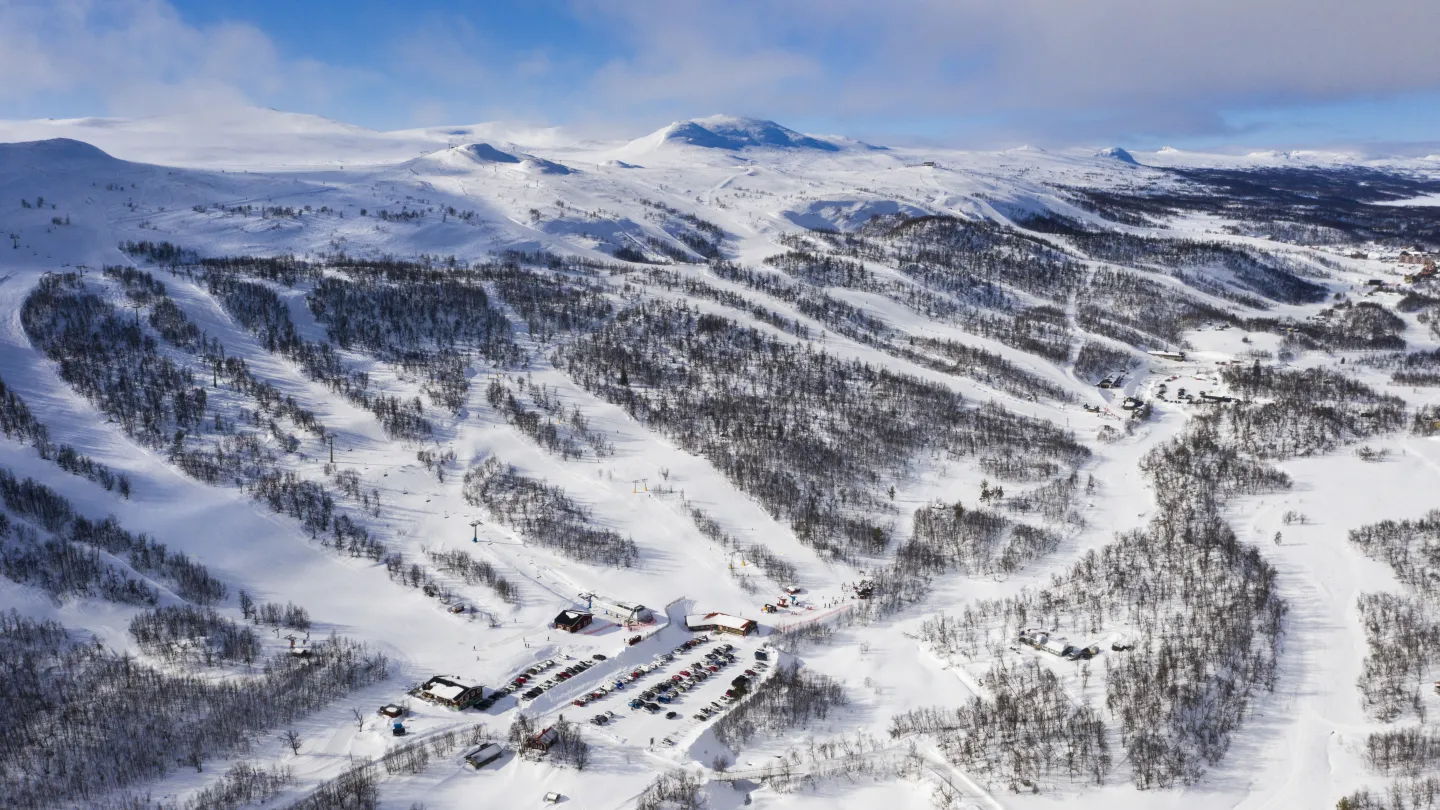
598	656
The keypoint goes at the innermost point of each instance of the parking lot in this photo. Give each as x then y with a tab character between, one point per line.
667	697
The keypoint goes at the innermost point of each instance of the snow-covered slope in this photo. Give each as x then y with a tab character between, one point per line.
692	370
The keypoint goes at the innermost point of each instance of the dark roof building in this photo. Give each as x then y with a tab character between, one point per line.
573	621
449	691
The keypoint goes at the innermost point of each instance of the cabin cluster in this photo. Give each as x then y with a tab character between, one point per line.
1044	642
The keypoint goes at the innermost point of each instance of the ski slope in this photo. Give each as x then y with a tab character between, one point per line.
481	190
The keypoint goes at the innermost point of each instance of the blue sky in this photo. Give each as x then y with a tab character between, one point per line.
1260	73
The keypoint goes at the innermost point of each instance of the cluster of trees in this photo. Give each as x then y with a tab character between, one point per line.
694	288
1139	311
260	309
1402	632
981	365
161	253
1305	412
1202	607
1054	502
475	572
197	635
791	697
967	273
112	362
702	236
1347	326
1409	547
1214	267
679	789
1403	751
419	325
230	455
1415	368
568	747
941	354
809	435
1042	736
175	327
973	259
1280	202
60	568
242	785
1418	793
67	562
545	515
562	301
289	615
356	788
1096	361
414	757
59	749
949	537
778	569
846	319
566	433
16	421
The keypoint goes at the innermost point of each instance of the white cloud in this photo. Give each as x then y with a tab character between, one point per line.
1121	62
139	56
1034	69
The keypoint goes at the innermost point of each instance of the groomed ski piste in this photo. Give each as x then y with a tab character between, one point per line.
684	221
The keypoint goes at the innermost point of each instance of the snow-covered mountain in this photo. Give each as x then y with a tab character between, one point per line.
1043	475
1116	153
733	133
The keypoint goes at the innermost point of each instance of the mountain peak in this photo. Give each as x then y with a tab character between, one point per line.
62	151
1116	153
735	133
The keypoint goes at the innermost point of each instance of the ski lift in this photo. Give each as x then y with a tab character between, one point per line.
639	485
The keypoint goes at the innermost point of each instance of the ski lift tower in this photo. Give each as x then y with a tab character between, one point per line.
475	524
640	485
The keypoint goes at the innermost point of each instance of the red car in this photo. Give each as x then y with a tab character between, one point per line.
684	673
580	701
713	668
